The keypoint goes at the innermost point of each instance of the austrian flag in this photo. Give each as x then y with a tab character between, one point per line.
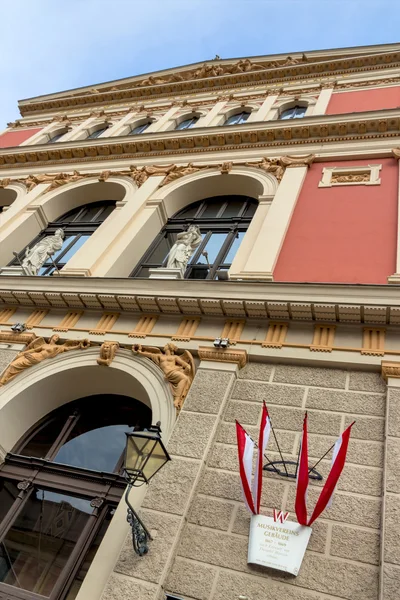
252	492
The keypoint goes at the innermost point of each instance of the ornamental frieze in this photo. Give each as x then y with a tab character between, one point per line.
245	72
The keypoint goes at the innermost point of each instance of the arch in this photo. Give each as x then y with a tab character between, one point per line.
51	205
169	199
53	383
283	104
231	109
7	196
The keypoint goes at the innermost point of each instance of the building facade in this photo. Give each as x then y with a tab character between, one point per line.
286	169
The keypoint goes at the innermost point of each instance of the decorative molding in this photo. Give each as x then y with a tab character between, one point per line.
324	336
6	314
217	76
363	175
69	321
390	369
108	351
144	326
106	323
186	329
37	351
276	335
35	318
263	134
374	341
236	356
233	330
8	337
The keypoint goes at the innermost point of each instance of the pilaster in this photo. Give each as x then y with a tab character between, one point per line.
262	112
267	245
395	278
323	101
207	120
118	243
390	521
163	123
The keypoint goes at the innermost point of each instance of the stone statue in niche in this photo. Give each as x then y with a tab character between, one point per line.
37	351
35	257
179	370
182	250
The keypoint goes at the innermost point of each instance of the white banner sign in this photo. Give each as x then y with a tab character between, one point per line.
277	545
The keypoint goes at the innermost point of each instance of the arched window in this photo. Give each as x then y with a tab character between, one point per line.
78	225
56	137
238	118
97	132
140	128
187	123
222	220
296	112
58	491
7	197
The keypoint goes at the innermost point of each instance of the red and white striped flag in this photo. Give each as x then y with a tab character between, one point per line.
245	452
302	478
265	430
338	461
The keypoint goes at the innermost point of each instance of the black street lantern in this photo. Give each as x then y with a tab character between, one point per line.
145	455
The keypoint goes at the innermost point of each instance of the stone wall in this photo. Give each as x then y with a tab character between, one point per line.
6	356
195	505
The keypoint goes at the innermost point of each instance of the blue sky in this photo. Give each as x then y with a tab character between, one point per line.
52	45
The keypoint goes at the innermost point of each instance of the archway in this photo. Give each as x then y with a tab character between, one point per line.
54	383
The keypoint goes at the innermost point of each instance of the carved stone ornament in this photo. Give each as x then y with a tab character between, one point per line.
228	355
108	351
35	257
179	370
390	369
396	153
186	243
297	161
11	337
37	351
350	178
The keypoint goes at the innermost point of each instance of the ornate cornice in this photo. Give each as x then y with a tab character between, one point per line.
9	337
228	355
158	87
172	172
384	124
390	369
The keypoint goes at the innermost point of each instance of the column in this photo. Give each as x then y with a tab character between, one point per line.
117	127
323	101
166	506
75	131
117	245
210	116
266	247
24	220
390	525
163	123
262	112
395	278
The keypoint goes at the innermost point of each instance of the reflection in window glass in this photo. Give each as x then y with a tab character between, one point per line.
187	123
97	133
97	449
238	118
163	249
75	247
212	248
139	129
296	112
41	539
234	248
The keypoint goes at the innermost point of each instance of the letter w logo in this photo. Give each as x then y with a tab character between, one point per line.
280	516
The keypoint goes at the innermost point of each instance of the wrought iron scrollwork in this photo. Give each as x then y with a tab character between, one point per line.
140	535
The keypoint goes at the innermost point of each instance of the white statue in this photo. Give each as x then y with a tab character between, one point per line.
35	258
182	250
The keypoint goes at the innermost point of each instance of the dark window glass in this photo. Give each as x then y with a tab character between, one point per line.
187	123
78	580
52	531
56	137
78	225
139	128
95	134
297	112
238	118
222	221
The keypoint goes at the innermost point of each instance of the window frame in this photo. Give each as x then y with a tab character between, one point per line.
191	120
237	114
103	490
292	108
232	226
75	227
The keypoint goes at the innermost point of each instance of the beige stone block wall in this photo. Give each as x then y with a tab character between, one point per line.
343	555
6	356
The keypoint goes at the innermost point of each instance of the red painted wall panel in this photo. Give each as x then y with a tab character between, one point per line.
342	234
15	138
376	99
